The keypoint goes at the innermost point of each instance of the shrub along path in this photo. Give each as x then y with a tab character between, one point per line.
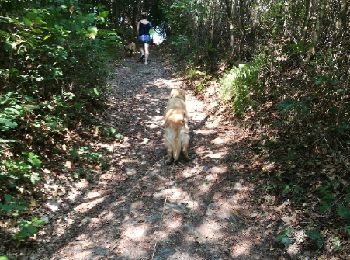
208	208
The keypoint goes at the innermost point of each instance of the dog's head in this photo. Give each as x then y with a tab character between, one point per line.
178	93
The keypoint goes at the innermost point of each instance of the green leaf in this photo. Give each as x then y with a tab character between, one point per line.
3	257
38	221
33	159
284	238
34	177
343	212
325	206
11	206
316	237
347	229
27	21
335	243
104	14
92	32
28	228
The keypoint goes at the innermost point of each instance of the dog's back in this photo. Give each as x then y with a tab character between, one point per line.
176	128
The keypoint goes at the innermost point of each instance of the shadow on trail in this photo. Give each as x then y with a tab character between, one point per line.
143	209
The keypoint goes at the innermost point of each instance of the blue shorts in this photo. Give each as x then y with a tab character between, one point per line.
144	38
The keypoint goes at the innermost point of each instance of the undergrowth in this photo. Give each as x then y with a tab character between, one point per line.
55	63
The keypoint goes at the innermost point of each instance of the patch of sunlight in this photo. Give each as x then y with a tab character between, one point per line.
195	106
218	155
193	205
183	255
106	215
110	147
172	83
73	195
221	209
145	141
93	194
213	177
219	141
214	124
136	233
210	230
127	249
174	222
160	84
84	207
136	206
130	171
68	164
191	171
204	131
293	250
129	161
177	195
268	167
173	193
218	169
241	249
162	234
205	187
157	118
82	184
152	125
124	144
84	254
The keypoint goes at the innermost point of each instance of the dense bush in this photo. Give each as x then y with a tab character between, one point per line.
53	70
240	85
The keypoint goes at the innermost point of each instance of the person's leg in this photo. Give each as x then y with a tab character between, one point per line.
142	50
146	48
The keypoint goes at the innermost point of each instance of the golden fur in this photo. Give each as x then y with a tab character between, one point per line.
176	134
130	48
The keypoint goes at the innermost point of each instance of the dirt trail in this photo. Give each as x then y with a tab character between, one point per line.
143	209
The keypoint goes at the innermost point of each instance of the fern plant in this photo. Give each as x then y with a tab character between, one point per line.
241	83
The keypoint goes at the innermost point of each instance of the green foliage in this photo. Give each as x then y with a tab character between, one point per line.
315	237
284	237
55	61
20	171
335	243
300	106
326	199
84	152
347	230
294	190
343	212
11	206
240	84
199	78
112	133
27	228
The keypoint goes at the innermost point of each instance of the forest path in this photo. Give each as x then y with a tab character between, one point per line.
143	209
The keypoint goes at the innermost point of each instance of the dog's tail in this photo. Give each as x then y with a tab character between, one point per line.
178	123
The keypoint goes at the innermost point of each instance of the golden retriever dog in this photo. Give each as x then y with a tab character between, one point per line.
176	134
130	48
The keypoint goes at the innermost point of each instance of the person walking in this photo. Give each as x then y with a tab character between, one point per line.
144	37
